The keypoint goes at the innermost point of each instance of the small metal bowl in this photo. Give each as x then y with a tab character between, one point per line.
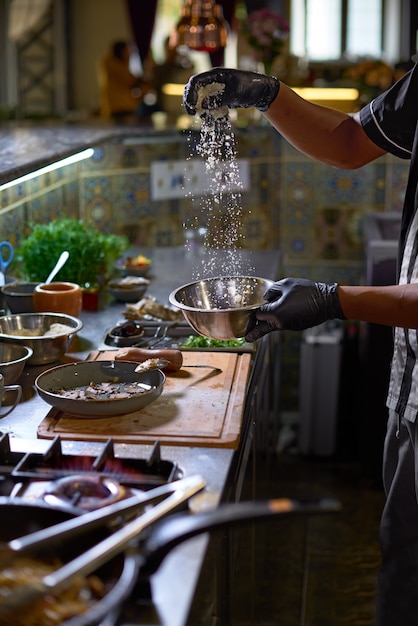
221	307
19	296
13	358
125	334
128	289
126	268
28	329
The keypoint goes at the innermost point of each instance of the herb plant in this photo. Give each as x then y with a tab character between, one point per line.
92	253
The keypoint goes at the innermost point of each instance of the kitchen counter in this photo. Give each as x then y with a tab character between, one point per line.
174	584
26	149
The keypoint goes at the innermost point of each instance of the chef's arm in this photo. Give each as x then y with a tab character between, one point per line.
325	134
394	305
300	303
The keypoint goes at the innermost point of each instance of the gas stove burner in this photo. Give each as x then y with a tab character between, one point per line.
85	492
81	481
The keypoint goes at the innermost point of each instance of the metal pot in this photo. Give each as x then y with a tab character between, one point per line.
18	519
121	573
21	328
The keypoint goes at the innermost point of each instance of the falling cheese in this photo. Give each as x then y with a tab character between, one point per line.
212	89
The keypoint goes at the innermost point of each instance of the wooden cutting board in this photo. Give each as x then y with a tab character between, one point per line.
198	407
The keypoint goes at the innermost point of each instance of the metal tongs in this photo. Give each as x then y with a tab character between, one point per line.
156	338
172	495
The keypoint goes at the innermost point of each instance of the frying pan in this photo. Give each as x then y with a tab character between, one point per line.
122	573
119	575
168	533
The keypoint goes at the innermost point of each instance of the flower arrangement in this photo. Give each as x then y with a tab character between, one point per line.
266	33
372	77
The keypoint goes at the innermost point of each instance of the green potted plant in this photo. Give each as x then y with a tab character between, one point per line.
92	254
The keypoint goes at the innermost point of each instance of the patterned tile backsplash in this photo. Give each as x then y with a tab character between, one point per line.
312	212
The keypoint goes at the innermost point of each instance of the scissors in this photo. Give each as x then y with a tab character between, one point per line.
5	262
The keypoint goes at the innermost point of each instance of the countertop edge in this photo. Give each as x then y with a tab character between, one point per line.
24	150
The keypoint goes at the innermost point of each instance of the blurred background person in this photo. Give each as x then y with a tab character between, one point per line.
121	91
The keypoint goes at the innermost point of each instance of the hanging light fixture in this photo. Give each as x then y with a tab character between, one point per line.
202	26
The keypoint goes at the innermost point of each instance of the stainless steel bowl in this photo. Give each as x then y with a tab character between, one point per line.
19	517
221	307
124	268
126	334
19	296
12	361
21	328
128	289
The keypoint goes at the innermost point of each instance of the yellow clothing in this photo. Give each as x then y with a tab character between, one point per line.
116	83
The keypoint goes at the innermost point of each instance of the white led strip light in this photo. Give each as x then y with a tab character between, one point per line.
74	158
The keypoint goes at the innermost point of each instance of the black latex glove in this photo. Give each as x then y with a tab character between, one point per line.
296	304
239	89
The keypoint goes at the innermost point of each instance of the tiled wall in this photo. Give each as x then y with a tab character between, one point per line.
39	200
312	212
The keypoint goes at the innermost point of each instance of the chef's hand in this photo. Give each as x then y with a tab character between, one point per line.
296	304
223	87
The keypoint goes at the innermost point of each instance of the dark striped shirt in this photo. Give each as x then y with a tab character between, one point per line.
391	122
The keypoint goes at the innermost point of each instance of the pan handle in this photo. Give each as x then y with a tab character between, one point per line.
69	529
167	534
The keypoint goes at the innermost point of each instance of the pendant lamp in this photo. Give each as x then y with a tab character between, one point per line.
202	26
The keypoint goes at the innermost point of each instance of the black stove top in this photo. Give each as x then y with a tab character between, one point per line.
81	481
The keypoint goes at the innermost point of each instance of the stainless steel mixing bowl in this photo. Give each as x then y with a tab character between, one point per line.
21	328
221	307
12	361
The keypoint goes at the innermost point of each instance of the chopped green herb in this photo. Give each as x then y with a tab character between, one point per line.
197	341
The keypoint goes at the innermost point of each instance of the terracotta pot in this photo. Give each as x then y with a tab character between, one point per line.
58	298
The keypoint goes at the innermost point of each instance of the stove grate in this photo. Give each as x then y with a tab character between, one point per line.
144	473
